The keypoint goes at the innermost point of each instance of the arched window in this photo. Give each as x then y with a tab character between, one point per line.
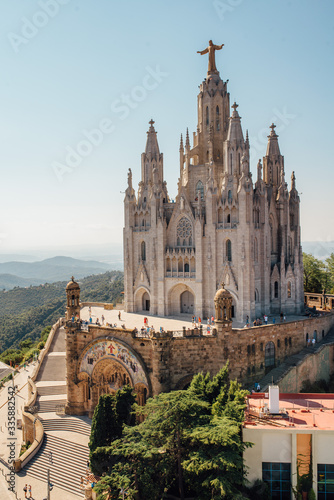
180	265
228	218
207	116
306	337
289	289
143	251
229	196
200	188
229	250
276	289
217	119
186	267
256	252
269	357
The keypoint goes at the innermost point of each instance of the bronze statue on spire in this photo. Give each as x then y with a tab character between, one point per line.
211	50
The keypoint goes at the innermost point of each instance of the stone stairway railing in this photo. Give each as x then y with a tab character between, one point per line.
32	427
66	461
278	373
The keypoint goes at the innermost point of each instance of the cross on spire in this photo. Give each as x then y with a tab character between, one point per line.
235	106
72	278
151	122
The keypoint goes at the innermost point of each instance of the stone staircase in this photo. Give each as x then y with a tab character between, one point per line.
67	462
66	458
50	405
67	424
276	374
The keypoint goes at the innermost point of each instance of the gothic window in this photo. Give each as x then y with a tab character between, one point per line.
289	289
207	116
143	251
180	265
184	232
168	266
186	267
230	163
229	196
228	218
276	289
200	188
190	243
220	215
217	119
229	250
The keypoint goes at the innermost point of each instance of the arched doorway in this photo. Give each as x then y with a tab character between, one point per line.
269	359
146	302
187	302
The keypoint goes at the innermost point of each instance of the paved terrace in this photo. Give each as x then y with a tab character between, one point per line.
136	320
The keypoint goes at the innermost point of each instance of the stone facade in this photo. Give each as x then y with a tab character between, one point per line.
222	225
102	359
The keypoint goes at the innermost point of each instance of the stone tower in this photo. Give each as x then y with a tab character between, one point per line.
73	300
222	226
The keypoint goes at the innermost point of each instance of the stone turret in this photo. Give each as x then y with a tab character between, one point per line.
73	300
223	309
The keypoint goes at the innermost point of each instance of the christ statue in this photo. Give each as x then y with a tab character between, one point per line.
211	49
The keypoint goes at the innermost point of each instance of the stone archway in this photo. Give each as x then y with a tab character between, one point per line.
108	376
106	365
180	302
142	300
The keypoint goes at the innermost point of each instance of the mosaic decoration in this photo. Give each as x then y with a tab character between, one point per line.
111	349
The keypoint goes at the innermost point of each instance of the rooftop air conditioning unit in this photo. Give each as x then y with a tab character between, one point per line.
273	399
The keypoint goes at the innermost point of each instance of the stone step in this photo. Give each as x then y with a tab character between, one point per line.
50	406
51	390
67	466
66	424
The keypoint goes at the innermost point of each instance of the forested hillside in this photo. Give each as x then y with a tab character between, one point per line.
24	312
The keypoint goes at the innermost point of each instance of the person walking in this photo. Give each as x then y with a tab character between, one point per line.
119	315
25	489
29	490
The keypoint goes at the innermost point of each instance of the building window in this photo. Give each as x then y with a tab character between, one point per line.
229	196
200	188
269	357
217	119
143	251
278	343
228	218
184	232
278	477
186	267
229	250
207	116
253	348
290	341
325	481
276	289
289	289
248	349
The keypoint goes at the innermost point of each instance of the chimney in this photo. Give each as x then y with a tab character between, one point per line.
273	399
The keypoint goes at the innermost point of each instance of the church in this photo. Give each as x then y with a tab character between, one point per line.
224	226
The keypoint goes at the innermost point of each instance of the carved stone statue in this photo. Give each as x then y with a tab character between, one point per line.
211	50
130	178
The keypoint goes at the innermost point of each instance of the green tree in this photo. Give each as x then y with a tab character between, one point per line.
189	444
314	274
330	274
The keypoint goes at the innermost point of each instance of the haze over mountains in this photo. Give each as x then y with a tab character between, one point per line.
23	274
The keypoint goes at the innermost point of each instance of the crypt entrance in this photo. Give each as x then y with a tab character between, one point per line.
108	376
106	365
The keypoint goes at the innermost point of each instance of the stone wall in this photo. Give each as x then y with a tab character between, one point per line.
316	366
169	359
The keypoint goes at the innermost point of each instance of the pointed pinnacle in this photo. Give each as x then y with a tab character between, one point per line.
187	139
181	142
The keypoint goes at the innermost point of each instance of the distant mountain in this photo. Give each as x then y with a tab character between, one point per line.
48	270
320	249
9	281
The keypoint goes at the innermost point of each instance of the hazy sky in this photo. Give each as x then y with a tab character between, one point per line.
72	66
